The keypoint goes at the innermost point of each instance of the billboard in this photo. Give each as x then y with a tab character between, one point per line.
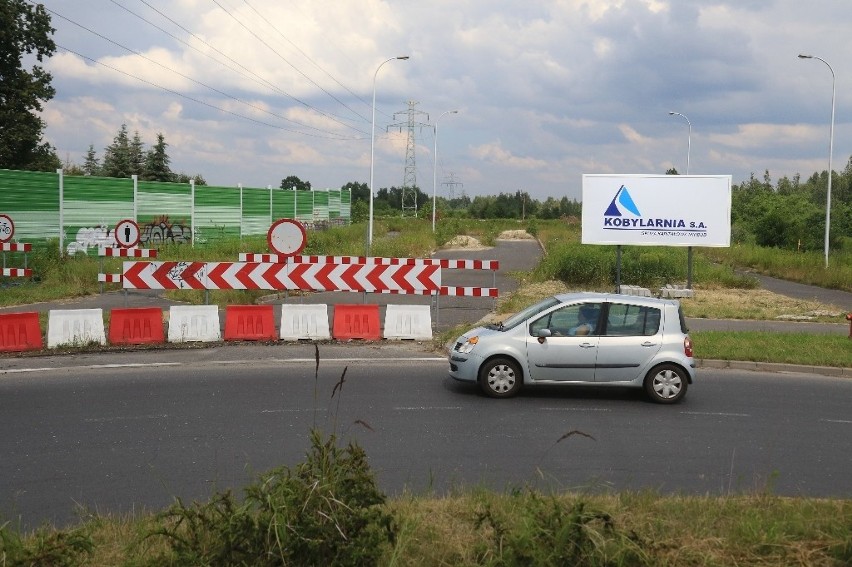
657	210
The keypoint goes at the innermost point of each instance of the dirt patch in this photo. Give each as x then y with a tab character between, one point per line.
464	242
515	235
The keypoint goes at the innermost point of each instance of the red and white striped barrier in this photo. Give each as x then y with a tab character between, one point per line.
109	278
17	272
15	247
128	252
311	277
370	261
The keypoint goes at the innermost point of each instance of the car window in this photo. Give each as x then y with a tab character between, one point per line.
632	320
514	320
571	320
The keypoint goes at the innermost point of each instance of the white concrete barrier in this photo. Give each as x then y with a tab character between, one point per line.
635	290
676	291
194	323
408	322
75	327
304	321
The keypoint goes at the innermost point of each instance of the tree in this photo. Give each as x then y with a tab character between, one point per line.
137	154
293	183
91	165
360	191
157	162
118	158
24	30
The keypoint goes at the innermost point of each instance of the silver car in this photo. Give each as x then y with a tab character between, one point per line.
585	339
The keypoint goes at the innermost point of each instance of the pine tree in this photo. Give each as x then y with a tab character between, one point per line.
118	157
157	162
91	166
137	154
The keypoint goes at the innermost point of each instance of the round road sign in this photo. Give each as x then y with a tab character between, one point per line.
7	228
287	237
127	233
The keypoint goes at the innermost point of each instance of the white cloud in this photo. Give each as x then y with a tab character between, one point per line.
547	90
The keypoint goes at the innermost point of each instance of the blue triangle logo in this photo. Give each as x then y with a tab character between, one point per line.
622	198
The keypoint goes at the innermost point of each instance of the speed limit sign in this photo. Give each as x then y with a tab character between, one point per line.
287	237
7	228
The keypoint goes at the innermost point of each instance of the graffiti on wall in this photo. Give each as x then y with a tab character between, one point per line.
151	235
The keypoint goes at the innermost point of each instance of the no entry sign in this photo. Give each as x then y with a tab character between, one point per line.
287	237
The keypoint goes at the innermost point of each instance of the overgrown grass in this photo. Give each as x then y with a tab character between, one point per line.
788	348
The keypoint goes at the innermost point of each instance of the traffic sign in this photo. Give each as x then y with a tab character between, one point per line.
127	233
7	228
287	237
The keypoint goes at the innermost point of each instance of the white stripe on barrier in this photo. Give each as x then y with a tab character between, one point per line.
194	323
304	321
408	322
75	327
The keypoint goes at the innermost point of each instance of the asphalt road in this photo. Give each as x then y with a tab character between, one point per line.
82	431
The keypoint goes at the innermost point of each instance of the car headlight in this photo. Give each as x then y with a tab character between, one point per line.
466	346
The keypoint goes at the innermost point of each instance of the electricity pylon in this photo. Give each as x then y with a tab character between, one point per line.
409	182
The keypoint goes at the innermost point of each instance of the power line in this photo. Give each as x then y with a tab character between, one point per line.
187	97
229	58
306	56
263	41
214	89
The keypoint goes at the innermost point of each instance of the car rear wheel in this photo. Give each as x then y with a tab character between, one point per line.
666	384
500	378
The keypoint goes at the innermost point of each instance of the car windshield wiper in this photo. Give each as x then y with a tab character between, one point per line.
496	326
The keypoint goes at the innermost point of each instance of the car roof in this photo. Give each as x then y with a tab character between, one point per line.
613	298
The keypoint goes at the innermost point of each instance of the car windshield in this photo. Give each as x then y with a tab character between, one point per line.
522	316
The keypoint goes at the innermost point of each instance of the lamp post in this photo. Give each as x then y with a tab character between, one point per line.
688	151
830	152
435	171
688	139
373	150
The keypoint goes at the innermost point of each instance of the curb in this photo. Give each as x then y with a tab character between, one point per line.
833	371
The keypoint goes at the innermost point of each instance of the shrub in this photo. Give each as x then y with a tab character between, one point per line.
326	511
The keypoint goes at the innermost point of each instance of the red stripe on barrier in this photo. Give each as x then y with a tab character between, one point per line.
249	323
109	278
19	332
15	247
356	322
135	326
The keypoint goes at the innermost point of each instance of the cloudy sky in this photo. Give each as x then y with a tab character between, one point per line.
252	91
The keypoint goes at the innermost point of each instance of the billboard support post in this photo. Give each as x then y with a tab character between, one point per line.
618	269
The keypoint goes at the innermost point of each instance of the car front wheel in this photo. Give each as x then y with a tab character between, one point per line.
666	384
500	378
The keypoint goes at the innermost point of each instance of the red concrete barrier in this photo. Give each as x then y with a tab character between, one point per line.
356	322
19	332
138	325
249	323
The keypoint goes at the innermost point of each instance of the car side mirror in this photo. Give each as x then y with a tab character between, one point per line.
542	335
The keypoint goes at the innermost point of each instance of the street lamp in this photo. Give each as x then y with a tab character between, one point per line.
830	152
435	171
373	149
688	139
688	151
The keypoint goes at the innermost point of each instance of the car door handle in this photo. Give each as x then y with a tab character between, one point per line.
649	344
587	345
